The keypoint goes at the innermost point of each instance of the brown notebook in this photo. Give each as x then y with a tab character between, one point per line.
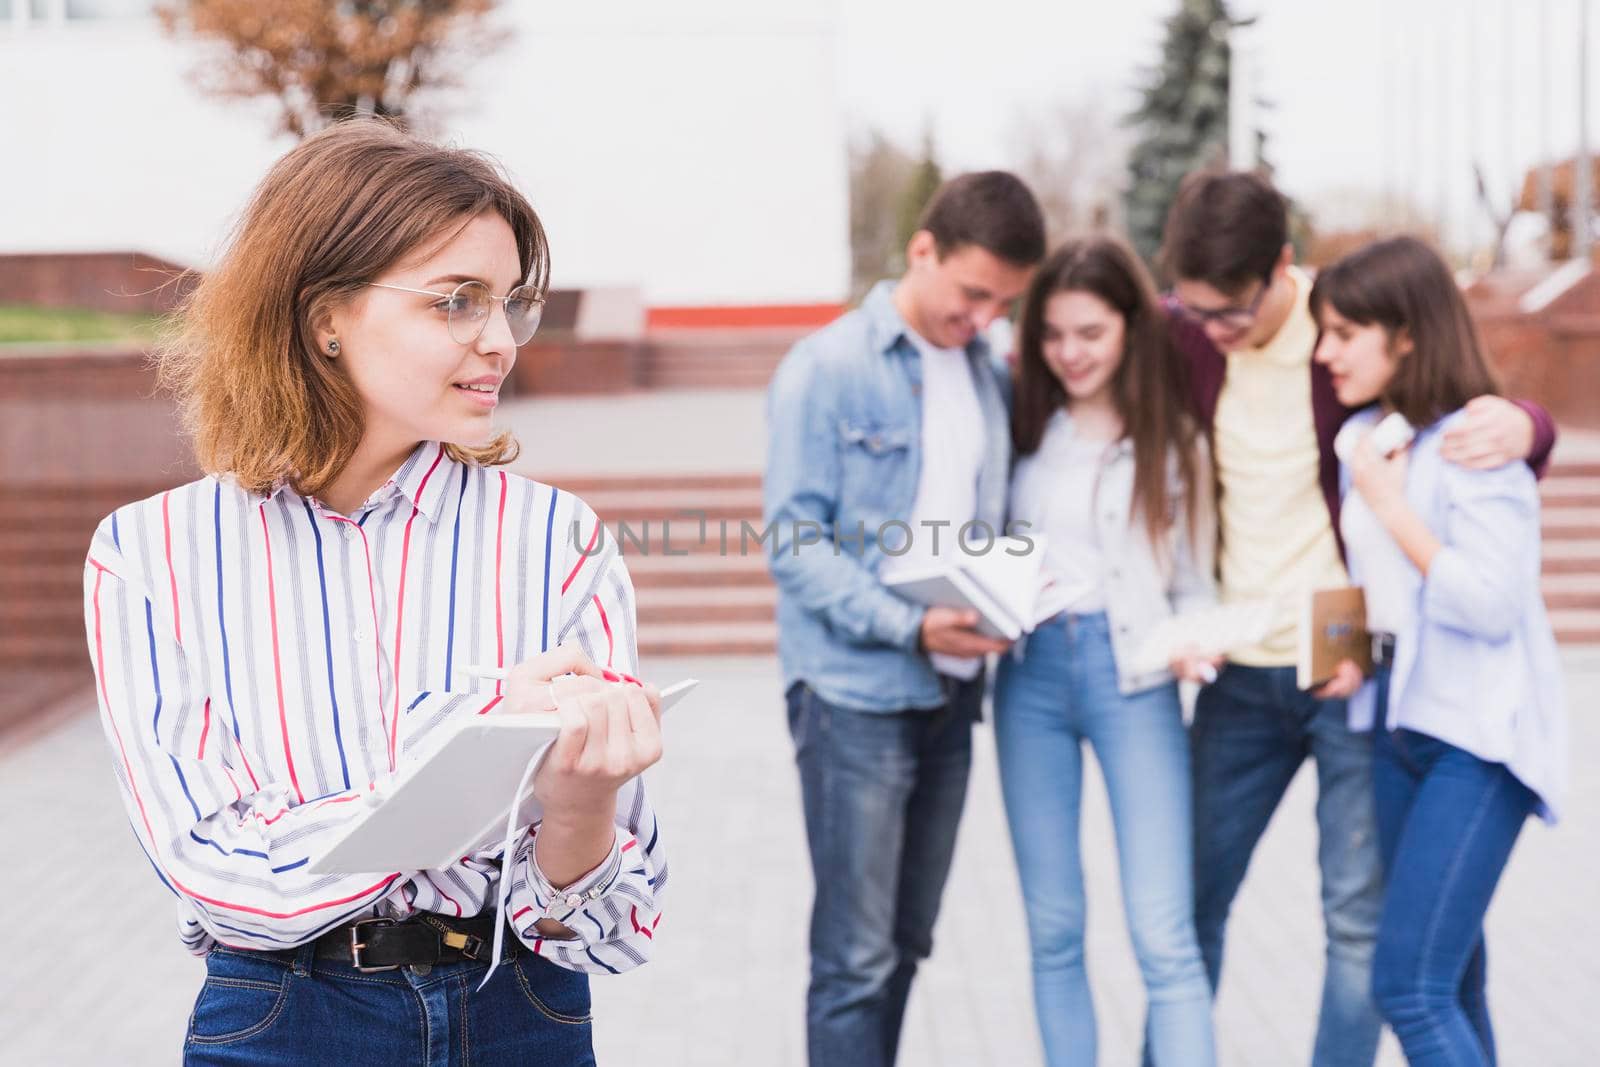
1333	627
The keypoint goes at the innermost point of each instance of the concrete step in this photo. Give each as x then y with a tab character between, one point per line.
617	505
697	570
1586	467
724	604
713	358
1563	591
1570	492
1576	626
1571	556
691	639
1571	523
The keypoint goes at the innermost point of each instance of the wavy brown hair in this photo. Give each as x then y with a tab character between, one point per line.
1149	387
260	401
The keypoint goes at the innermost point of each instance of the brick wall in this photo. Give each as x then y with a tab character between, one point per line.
98	281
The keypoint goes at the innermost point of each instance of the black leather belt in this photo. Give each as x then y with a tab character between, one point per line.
371	945
1382	650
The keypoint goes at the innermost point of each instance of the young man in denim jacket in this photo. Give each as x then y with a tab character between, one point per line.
888	436
1240	319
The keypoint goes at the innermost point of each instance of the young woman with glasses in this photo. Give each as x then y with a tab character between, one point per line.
272	640
1113	473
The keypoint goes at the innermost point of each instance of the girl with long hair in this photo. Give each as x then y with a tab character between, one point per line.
1113	473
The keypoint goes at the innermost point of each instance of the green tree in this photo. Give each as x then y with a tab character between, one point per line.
925	181
1182	119
880	172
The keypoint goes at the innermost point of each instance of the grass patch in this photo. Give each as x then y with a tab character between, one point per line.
20	323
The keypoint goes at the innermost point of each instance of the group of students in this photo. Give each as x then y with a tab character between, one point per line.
1175	450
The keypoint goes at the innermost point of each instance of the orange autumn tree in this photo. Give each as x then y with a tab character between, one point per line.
323	61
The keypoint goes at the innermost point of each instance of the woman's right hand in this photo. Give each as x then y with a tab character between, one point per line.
1347	678
1191	665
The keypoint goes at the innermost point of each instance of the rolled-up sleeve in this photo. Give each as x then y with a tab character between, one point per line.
612	910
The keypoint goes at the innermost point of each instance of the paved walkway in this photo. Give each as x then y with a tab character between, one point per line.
727	984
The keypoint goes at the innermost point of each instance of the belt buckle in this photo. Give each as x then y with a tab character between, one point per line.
356	945
1382	649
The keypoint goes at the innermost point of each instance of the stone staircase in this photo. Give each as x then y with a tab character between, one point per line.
687	358
694	598
1571	571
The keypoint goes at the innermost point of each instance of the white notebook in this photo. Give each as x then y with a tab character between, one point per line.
451	799
1007	586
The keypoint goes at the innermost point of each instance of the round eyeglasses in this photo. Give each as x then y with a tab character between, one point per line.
468	306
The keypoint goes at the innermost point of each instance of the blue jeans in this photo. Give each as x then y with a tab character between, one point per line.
1061	694
1252	730
1447	821
883	793
289	1008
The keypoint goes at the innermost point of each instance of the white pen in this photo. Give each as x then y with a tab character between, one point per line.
1208	673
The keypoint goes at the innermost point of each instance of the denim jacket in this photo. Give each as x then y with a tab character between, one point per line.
844	417
1477	665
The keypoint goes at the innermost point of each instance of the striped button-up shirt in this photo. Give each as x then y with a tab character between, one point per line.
262	661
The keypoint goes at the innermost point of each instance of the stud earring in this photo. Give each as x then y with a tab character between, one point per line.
333	348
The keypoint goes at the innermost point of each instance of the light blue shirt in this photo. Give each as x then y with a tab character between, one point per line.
844	417
1475	662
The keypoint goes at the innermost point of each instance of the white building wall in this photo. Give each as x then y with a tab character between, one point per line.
699	155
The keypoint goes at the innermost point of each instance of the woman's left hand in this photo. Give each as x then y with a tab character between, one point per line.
610	732
1191	666
1381	481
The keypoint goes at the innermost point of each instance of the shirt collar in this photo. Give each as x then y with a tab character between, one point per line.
421	480
885	327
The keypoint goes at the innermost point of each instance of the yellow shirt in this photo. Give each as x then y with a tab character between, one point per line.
1277	536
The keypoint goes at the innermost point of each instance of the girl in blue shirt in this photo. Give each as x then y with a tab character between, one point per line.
1466	691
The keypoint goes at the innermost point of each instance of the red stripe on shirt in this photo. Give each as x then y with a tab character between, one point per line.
584	558
400	604
205	728
277	662
172	576
499	622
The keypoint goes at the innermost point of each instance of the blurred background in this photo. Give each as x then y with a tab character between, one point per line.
719	177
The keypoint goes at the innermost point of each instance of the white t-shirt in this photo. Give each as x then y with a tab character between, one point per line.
1053	490
1393	582
953	442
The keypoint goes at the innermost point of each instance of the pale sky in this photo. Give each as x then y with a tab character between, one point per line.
1366	95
